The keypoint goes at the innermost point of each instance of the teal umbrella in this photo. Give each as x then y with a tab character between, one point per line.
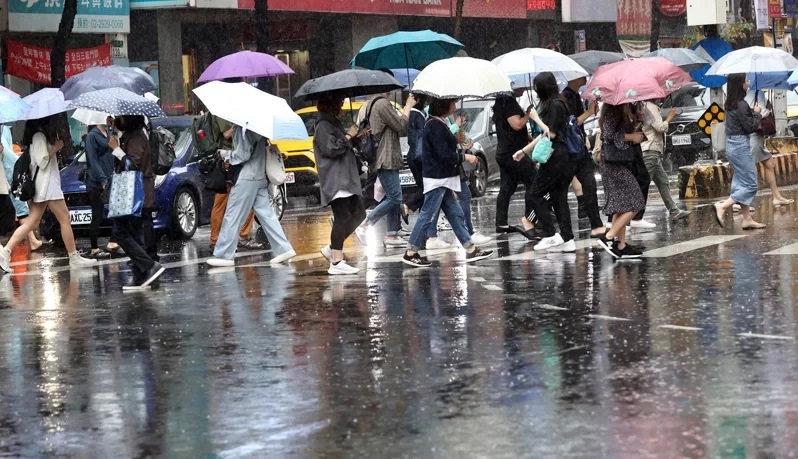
11	105
405	50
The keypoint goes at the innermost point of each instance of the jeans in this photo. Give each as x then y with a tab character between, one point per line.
249	195
586	174
436	200
129	234
391	206
653	162
95	196
464	197
513	173
348	214
554	178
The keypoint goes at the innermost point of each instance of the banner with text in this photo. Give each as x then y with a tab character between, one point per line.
394	7
791	8
33	62
94	16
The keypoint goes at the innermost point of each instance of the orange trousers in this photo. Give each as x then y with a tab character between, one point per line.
217	217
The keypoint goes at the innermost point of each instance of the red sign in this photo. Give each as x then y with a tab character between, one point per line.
392	7
774	8
541	5
634	18
33	63
673	7
504	9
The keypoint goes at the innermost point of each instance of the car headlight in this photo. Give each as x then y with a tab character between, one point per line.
159	179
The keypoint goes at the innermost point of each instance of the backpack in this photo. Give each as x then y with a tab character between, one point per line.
203	133
162	150
574	138
369	144
22	184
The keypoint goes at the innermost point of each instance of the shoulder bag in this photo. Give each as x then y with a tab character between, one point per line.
613	154
275	167
127	193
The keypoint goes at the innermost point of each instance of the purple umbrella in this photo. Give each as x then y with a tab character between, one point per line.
245	64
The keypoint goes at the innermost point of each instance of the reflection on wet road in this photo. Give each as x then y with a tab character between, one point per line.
690	352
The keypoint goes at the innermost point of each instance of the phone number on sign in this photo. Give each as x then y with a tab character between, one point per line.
99	24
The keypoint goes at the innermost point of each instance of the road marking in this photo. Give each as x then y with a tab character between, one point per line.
492	287
757	335
791	249
680	327
603	317
689	246
549	307
478	279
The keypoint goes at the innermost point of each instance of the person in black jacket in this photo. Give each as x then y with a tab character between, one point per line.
441	162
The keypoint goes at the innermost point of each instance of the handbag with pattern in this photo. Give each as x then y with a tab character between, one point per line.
127	193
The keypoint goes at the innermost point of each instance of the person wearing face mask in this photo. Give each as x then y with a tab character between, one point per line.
100	168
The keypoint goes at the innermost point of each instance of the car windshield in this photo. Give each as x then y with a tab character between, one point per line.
688	96
310	119
475	121
182	139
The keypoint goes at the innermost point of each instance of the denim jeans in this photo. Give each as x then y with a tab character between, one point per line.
439	199
391	206
464	196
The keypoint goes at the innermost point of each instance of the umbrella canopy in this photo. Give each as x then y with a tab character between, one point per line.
591	60
11	105
755	59
90	117
529	62
778	80
405	76
711	49
353	83
45	102
118	102
252	109
245	64
635	80
793	79
415	49
95	78
462	77
684	58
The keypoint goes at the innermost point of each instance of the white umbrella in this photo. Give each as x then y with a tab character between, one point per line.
44	103
252	109
755	59
461	77
527	63
90	117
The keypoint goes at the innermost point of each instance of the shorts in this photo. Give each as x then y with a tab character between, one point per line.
758	148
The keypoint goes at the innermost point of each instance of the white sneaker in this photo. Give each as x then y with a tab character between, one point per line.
568	247
438	244
326	252
342	269
548	242
283	257
5	257
642	224
76	261
480	239
221	263
393	242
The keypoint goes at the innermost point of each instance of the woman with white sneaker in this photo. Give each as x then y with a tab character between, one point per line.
339	179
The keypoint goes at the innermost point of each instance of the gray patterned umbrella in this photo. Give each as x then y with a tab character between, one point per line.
118	102
96	78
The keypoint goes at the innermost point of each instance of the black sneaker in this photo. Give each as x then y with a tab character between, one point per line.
116	252
416	260
630	253
477	255
610	246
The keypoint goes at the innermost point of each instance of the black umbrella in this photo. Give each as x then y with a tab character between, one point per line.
591	60
118	102
92	79
352	83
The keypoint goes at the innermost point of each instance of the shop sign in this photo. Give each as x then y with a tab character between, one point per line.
673	7
634	18
774	8
391	7
541	5
761	13
94	16
32	63
504	9
791	8
151	4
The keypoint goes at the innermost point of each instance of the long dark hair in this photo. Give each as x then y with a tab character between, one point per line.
44	125
421	101
545	85
735	90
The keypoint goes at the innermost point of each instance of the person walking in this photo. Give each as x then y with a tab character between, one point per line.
339	179
133	149
741	122
251	191
387	125
624	198
441	175
761	155
21	209
43	143
415	130
654	128
553	177
100	168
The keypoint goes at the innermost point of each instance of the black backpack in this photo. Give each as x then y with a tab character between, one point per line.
162	150
369	144
23	185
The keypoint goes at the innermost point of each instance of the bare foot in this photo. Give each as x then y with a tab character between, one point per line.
528	225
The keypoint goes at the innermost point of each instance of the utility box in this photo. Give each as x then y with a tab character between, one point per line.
706	12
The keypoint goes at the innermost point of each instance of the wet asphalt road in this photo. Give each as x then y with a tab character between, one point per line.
690	352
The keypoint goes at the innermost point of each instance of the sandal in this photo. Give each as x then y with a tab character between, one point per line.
719	214
782	202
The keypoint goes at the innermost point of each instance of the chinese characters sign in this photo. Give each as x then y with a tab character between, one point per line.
634	18
791	8
774	8
94	16
540	5
33	62
673	7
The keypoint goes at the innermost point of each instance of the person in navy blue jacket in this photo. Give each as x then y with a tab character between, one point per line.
100	168
440	169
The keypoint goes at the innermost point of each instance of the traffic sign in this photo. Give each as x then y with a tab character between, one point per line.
714	114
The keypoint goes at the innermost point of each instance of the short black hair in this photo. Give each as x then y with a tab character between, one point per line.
439	107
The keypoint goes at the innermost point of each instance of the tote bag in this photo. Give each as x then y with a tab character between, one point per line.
543	150
127	194
275	167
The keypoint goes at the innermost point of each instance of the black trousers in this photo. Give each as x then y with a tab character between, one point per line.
586	174
97	215
513	173
554	178
150	238
129	235
348	214
416	200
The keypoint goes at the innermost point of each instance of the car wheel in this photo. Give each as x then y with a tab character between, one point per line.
277	194
184	214
479	178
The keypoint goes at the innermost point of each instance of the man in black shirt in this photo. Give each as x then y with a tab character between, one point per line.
512	135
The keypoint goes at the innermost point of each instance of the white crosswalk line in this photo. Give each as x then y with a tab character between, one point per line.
492	287
791	249
761	336
680	327
603	317
689	246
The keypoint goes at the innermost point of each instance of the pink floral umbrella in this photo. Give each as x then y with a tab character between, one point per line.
635	80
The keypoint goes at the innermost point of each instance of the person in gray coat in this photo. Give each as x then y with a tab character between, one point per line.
339	179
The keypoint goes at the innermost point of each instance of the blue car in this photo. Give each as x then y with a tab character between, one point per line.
182	203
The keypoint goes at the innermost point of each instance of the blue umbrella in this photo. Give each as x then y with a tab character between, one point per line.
714	48
95	78
405	76
11	106
406	50
774	80
793	79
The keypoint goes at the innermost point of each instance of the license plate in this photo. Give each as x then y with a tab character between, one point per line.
681	140
407	179
289	177
80	217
